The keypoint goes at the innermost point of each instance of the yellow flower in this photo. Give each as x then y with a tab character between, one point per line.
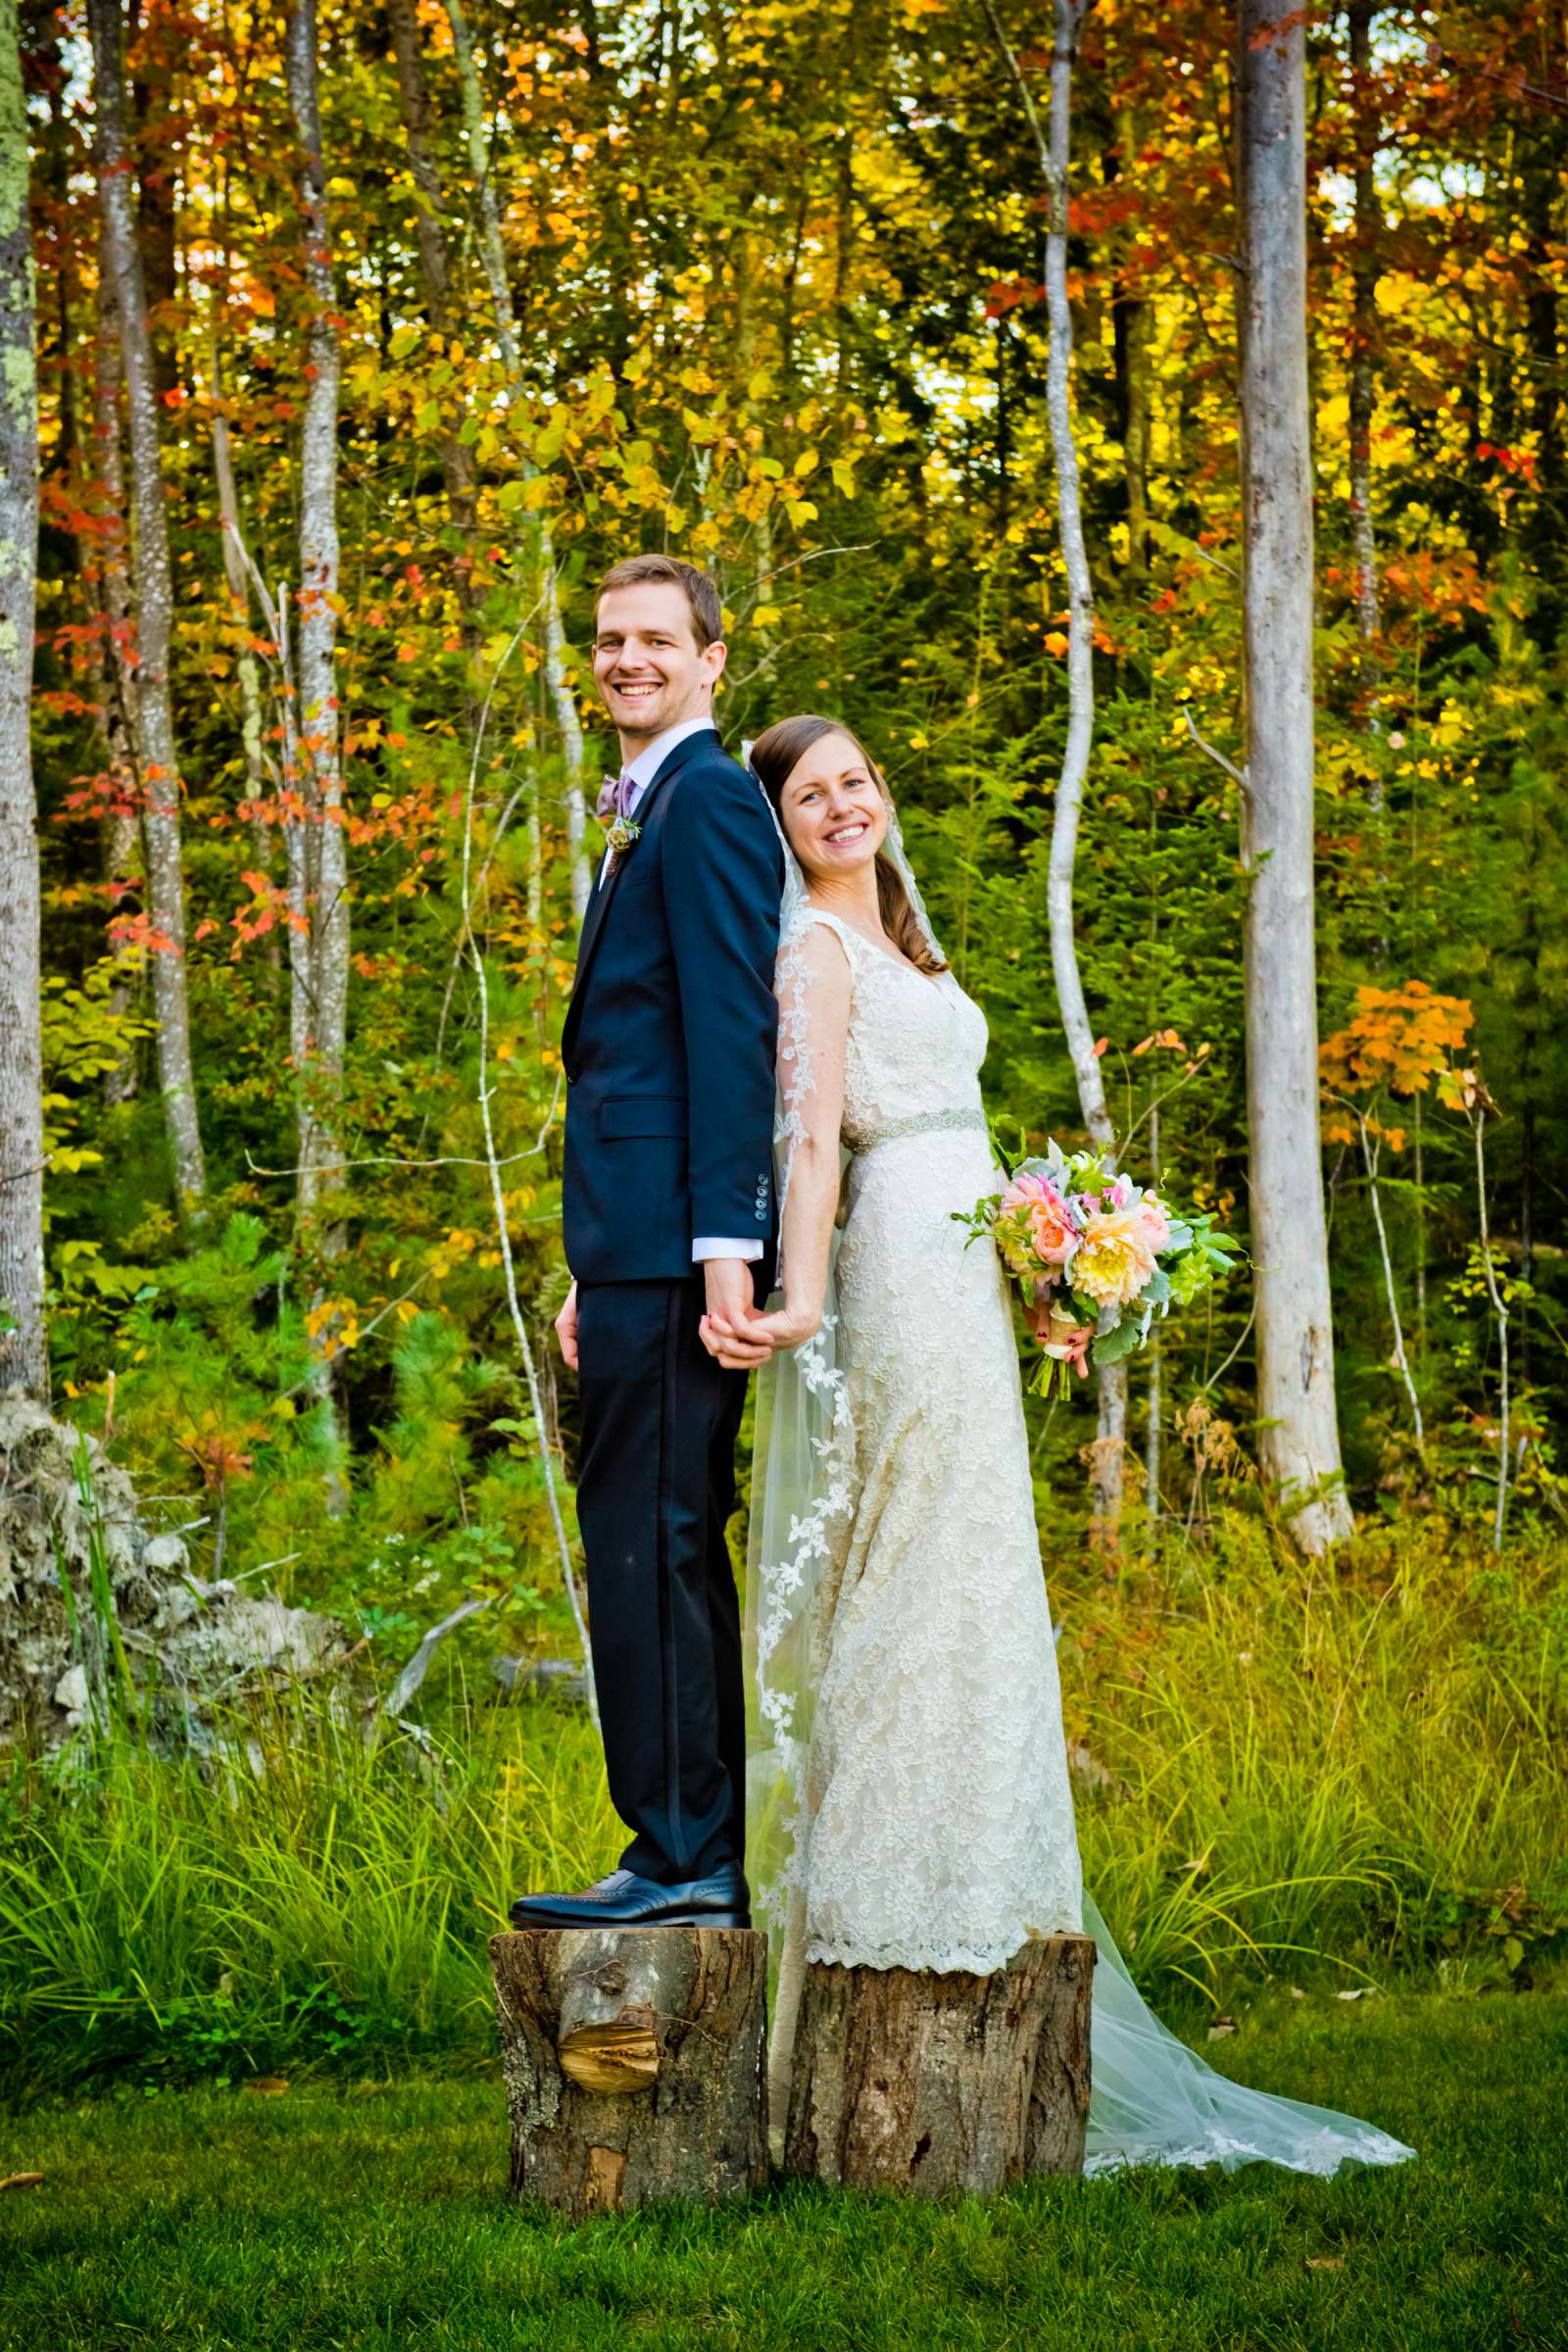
1113	1260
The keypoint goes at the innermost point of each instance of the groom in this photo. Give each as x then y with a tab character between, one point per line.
668	1212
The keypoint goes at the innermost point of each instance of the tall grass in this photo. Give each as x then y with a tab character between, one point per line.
304	1891
1355	1767
1361	1759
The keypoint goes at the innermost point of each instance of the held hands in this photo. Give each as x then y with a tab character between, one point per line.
731	1330
734	1332
728	1327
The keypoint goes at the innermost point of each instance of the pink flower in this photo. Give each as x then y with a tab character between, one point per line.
1052	1234
1051	1227
1155	1225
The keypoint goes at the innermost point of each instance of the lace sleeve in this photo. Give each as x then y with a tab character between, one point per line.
816	988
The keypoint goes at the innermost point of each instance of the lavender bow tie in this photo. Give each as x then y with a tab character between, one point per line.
615	799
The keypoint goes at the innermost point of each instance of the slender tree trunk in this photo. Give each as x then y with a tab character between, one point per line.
320	778
491	254
155	607
319	1024
260	784
1054	146
1364	271
1300	1439
1151	1432
112	676
23	1349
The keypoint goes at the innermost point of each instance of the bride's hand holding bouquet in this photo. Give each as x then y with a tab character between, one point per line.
1096	1256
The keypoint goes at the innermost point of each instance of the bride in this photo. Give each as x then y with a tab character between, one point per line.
907	1787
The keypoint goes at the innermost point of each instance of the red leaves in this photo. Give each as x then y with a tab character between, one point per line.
1512	460
1008	293
140	931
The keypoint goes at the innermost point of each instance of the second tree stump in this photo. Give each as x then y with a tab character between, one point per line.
925	2082
635	2063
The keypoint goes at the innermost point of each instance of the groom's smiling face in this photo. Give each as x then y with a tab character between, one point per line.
647	666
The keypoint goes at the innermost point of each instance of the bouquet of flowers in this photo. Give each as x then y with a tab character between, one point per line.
1095	1255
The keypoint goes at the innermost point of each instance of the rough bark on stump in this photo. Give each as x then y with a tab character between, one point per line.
913	2080
635	2062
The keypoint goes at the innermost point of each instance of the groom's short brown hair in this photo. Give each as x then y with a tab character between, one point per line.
708	614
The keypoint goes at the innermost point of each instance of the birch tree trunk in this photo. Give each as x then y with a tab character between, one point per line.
318	863
260	782
1054	147
113	681
491	254
1300	1439
322	1019
24	1352
154	607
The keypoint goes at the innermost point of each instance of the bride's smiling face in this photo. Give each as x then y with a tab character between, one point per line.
834	818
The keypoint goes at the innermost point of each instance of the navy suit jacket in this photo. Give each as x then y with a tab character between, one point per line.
670	1036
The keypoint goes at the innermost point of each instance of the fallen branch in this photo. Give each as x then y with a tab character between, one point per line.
402	1694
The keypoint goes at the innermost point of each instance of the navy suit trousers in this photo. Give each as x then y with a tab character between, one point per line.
656	1487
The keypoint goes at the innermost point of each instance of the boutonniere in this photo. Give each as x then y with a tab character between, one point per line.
621	835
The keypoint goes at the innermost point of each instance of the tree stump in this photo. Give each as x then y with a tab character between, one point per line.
635	2062
924	2082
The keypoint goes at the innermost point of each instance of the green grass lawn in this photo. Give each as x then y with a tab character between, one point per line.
375	2215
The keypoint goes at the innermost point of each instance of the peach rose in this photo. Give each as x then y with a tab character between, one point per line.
1114	1258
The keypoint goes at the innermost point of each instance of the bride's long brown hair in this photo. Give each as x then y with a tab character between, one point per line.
776	755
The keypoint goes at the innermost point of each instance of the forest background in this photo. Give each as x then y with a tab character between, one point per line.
444	314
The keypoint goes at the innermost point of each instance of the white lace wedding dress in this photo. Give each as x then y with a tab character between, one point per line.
934	1827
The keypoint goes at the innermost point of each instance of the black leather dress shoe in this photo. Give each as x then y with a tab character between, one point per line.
625	1900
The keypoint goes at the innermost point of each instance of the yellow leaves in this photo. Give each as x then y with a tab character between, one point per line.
806	463
1400	1038
638	365
765	617
759	385
842	471
457	1245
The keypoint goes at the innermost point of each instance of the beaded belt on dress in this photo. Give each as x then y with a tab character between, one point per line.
920	1122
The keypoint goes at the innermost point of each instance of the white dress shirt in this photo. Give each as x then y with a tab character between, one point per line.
642	771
